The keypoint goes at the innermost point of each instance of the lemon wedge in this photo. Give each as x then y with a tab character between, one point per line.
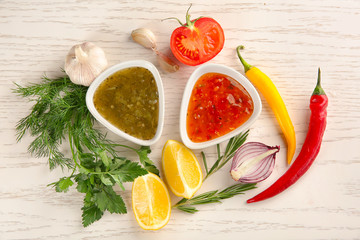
150	202
181	169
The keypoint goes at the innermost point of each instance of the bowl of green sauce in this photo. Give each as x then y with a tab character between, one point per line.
128	99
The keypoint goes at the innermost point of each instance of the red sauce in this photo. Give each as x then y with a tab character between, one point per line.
218	105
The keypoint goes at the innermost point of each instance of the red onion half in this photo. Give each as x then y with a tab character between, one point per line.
253	162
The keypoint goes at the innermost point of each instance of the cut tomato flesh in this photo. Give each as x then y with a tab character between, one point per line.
198	43
188	47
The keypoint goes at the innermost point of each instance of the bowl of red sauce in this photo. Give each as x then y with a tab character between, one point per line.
218	104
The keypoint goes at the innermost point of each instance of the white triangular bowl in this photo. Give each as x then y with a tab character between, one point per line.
216	68
95	84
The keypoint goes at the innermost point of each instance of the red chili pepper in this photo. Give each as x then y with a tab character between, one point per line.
309	150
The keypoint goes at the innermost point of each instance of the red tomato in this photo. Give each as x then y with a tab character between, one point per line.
197	41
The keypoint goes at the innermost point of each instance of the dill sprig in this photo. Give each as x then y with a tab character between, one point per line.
59	110
187	205
60	115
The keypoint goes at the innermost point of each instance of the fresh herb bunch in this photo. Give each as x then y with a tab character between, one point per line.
59	114
187	205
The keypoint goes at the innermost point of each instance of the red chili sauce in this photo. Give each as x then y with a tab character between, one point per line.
218	105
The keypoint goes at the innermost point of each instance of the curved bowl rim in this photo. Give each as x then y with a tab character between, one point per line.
218	68
111	70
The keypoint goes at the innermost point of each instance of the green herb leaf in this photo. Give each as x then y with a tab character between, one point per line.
127	171
83	183
90	214
63	184
104	158
236	189
152	168
143	153
107	199
188	209
205	163
145	160
105	179
118	181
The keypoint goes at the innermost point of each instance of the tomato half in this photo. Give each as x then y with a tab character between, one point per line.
197	41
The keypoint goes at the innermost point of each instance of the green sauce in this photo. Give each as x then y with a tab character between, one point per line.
129	100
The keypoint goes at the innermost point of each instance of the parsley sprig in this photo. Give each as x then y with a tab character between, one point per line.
187	205
59	115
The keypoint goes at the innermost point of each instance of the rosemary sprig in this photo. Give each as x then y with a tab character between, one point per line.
233	144
60	115
187	205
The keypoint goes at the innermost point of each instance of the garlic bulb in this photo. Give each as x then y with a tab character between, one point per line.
84	63
144	37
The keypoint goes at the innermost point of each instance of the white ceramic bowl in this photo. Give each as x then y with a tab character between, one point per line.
95	84
216	68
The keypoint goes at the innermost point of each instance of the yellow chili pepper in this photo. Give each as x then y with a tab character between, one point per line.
272	96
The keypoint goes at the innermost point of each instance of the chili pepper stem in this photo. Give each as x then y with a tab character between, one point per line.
318	89
244	63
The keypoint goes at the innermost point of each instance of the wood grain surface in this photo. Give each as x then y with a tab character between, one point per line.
288	40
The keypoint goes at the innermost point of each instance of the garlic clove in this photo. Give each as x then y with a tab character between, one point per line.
84	63
166	63
144	37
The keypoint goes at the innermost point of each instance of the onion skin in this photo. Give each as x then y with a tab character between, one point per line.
253	162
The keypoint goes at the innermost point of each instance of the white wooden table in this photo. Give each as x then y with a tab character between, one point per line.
288	40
